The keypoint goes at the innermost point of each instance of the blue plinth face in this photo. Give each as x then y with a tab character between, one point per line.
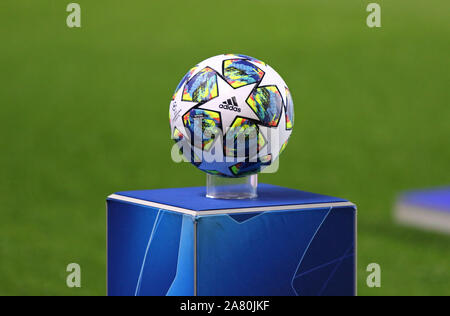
305	251
150	251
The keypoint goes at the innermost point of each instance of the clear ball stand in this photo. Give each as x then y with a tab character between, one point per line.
231	188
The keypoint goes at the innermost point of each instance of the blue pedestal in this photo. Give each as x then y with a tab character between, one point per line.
425	209
178	242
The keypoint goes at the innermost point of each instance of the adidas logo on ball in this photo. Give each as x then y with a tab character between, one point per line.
230	104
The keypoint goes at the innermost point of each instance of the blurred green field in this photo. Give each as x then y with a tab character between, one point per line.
84	113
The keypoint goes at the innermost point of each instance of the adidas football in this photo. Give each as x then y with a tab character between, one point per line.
231	115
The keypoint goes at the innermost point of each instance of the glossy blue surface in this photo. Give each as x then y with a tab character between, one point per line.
194	198
305	253
148	251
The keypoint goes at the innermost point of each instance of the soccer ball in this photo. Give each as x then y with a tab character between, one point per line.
231	115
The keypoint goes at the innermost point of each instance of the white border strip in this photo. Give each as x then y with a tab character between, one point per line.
229	211
153	204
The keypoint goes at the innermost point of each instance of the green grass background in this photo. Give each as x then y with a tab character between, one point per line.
84	113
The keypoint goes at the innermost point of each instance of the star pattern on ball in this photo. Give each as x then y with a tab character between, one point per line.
238	108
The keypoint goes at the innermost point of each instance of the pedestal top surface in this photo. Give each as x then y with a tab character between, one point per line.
194	198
